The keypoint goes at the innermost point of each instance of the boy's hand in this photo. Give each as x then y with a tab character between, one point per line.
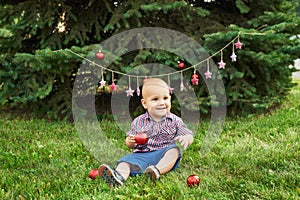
185	140
130	142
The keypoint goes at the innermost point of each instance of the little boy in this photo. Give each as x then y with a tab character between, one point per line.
160	154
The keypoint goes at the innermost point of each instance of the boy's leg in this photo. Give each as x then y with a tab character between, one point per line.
124	169
168	161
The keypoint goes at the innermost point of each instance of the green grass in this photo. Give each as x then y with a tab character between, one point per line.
256	158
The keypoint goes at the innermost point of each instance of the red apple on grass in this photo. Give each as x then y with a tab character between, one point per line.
141	138
193	180
93	173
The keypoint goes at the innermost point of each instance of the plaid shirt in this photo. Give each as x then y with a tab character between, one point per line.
160	134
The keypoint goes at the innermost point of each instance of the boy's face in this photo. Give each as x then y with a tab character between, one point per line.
157	101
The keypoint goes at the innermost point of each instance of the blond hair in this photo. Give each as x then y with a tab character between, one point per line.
150	82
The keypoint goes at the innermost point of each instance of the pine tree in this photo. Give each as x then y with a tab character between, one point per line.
38	72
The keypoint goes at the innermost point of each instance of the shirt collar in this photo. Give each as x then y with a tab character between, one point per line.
168	115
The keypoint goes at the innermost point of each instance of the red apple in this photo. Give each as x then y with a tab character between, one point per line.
141	138
100	55
193	180
180	65
93	173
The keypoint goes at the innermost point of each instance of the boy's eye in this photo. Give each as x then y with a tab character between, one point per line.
154	99
165	98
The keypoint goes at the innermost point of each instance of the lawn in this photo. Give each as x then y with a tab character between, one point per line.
257	157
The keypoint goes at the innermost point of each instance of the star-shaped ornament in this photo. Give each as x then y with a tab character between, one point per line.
233	57
207	74
194	80
238	45
102	83
113	87
129	92
221	64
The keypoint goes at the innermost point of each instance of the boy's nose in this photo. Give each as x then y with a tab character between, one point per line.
161	102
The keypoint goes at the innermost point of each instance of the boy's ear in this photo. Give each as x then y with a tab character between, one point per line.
144	103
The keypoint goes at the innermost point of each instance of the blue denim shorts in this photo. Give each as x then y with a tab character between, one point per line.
140	161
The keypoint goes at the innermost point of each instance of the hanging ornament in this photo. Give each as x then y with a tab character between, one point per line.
195	77
207	73
113	86
102	82
129	92
138	92
181	82
233	57
99	55
170	88
181	86
221	63
180	65
144	79
238	45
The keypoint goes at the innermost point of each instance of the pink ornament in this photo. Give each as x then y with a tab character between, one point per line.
195	80
138	92
113	87
102	83
221	64
129	92
208	74
238	45
233	57
171	90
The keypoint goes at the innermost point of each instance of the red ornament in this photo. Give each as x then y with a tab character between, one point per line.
238	45
195	76
93	173
195	79
113	87
141	138
193	180
99	55
180	65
